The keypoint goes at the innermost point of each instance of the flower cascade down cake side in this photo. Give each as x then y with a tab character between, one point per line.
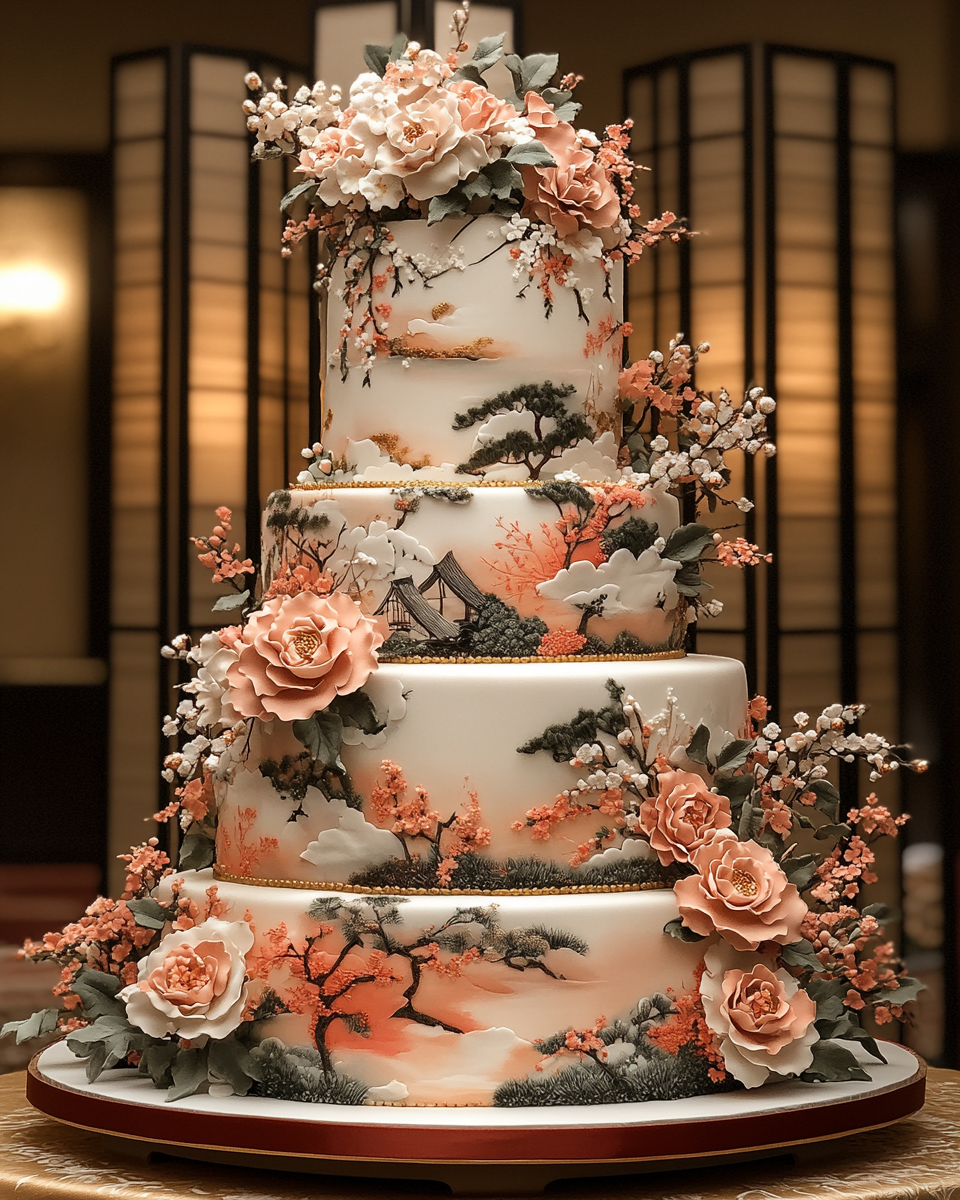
459	819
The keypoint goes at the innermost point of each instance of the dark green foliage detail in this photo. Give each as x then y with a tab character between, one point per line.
663	1077
520	446
296	1073
639	1071
564	491
562	741
476	873
502	633
635	534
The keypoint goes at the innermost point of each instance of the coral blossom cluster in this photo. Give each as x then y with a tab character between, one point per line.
411	817
217	555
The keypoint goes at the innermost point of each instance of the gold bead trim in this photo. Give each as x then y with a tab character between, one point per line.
305	885
389	484
475	482
422	1104
654	656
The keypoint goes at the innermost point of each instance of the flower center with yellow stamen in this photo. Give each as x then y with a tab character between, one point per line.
306	642
762	1003
187	973
744	883
412	131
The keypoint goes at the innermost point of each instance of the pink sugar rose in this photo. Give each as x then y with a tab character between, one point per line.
762	1019
741	893
193	983
683	816
299	653
576	193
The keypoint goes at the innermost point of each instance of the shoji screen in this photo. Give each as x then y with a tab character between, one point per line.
211	370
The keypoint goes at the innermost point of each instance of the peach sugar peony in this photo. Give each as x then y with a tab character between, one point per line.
193	982
741	893
762	1019
425	146
299	653
683	816
576	193
486	115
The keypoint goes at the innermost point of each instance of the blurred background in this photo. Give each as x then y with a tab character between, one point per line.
158	358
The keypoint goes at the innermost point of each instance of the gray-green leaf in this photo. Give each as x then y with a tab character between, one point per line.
34	1026
800	954
678	930
376	58
697	749
832	1063
300	190
735	753
687	542
147	912
531	154
189	1071
231	600
452	204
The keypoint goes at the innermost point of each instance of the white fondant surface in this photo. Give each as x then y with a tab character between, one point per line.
416	399
460	734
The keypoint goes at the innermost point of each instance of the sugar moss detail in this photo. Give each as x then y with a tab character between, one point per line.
664	1052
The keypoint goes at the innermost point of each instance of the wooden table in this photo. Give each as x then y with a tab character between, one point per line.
918	1159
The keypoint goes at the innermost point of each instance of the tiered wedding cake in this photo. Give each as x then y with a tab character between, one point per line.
463	822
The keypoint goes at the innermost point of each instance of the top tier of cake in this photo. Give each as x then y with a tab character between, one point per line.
462	315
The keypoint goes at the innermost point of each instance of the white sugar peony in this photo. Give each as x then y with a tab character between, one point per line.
193	983
764	1022
209	686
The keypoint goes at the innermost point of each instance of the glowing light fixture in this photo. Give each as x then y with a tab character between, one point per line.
31	288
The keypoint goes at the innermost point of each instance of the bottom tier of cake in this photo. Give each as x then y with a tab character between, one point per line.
467	999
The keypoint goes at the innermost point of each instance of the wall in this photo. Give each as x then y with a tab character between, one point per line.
66	54
922	40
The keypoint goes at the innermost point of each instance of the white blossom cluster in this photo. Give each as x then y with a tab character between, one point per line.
718	428
803	756
280	126
532	241
206	716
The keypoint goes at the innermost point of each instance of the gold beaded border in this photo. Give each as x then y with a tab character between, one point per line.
653	656
309	885
390	484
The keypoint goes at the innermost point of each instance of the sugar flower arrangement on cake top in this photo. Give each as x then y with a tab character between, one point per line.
421	136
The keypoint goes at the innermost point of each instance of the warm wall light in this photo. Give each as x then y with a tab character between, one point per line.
30	288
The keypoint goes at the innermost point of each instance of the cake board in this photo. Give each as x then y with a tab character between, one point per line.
474	1151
